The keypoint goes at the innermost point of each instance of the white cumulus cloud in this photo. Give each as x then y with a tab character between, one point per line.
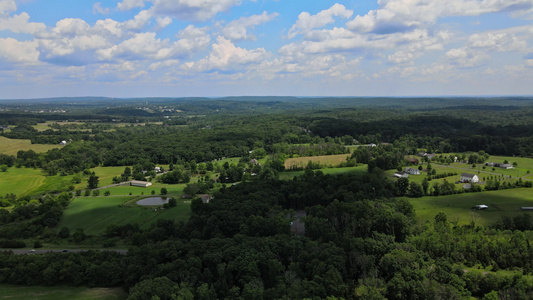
19	52
239	29
129	4
7	7
307	22
192	10
226	57
402	15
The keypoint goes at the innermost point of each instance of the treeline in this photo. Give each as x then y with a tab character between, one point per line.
436	133
31	218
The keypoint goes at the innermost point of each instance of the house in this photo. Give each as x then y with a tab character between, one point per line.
140	183
412	171
205	198
489	164
467	177
481	206
157	169
63	143
401	174
506	166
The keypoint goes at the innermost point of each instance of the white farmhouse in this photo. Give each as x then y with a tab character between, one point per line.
467	177
412	171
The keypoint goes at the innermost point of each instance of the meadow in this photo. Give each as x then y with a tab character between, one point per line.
29	181
94	214
324	160
60	293
459	207
12	146
289	175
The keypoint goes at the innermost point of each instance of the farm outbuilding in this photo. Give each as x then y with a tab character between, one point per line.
140	183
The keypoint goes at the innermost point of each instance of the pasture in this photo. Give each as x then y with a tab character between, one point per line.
13	292
459	207
94	214
324	160
361	170
29	181
12	146
135	190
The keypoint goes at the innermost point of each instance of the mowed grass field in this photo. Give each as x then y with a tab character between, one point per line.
326	160
94	214
29	181
289	175
12	146
459	207
12	292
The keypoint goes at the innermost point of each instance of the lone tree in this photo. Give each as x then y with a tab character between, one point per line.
92	182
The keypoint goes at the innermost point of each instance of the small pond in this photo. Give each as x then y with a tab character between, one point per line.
153	201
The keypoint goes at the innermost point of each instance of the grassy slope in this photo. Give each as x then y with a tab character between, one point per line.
12	146
94	214
327	160
28	181
459	207
12	292
288	175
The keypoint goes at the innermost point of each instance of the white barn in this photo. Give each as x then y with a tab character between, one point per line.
140	183
467	177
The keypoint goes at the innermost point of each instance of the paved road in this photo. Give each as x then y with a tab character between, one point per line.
42	251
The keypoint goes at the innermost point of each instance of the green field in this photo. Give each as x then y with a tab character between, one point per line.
12	292
12	146
325	160
289	175
459	207
135	190
29	181
94	214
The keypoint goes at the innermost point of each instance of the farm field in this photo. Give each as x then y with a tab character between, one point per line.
135	190
459	207
29	181
94	214
289	175
12	146
12	292
326	160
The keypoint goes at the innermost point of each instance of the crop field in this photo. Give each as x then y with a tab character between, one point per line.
326	160
12	292
12	146
94	214
289	175
459	207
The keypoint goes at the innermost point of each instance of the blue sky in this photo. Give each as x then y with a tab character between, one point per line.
175	48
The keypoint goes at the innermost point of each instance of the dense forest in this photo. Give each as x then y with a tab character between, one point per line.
361	241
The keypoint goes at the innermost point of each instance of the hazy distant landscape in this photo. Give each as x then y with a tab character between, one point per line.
267	197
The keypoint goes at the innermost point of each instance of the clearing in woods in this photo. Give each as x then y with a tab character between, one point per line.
324	160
